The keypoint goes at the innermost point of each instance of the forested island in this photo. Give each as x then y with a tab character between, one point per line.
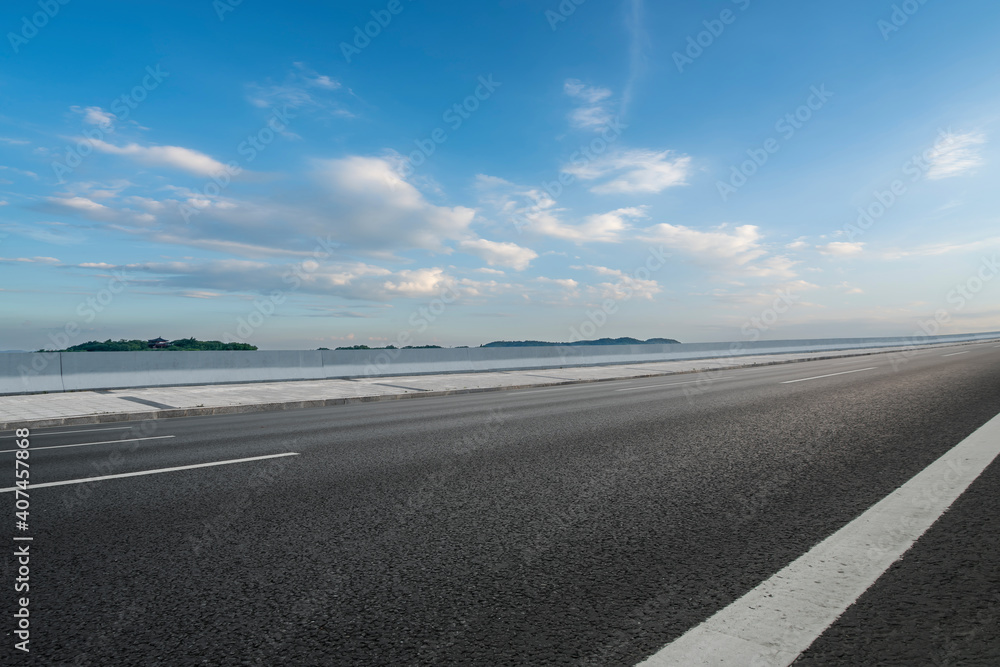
156	345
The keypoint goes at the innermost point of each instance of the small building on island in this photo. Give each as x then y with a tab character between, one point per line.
158	342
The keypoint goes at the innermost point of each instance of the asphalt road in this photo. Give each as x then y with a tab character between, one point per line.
577	525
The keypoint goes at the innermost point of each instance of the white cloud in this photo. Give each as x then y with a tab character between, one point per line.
79	203
177	157
500	254
777	266
95	116
535	210
566	283
13	142
634	171
956	154
544	218
372	206
842	248
622	286
357	205
740	245
593	112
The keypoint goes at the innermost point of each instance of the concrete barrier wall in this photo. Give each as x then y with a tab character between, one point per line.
30	372
106	370
24	373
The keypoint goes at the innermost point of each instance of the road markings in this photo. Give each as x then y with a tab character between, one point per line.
857	370
35	434
88	444
551	387
674	384
954	353
775	622
151	472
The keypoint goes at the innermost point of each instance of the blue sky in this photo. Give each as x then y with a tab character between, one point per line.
522	169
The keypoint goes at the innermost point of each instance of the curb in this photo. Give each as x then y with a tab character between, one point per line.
173	413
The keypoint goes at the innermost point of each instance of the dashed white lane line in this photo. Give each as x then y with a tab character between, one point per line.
151	472
954	353
88	444
674	384
775	622
830	375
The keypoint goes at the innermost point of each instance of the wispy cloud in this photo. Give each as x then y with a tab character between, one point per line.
95	115
942	248
302	88
956	154
741	244
176	157
634	171
599	227
842	248
29	260
638	44
349	280
593	111
22	172
618	284
536	211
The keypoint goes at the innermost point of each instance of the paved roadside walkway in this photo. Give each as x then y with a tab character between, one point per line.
111	405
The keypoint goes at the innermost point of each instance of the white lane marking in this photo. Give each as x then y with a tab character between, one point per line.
36	434
555	386
775	622
151	472
674	384
954	353
88	444
857	370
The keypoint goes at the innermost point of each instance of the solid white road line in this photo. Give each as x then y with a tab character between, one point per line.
150	472
775	622
36	434
817	377
954	353
673	384
88	444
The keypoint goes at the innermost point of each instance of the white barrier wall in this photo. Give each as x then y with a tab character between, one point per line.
27	373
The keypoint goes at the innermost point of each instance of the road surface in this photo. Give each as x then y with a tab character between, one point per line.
587	524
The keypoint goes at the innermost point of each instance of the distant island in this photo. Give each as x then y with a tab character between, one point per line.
600	341
195	345
155	345
388	347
